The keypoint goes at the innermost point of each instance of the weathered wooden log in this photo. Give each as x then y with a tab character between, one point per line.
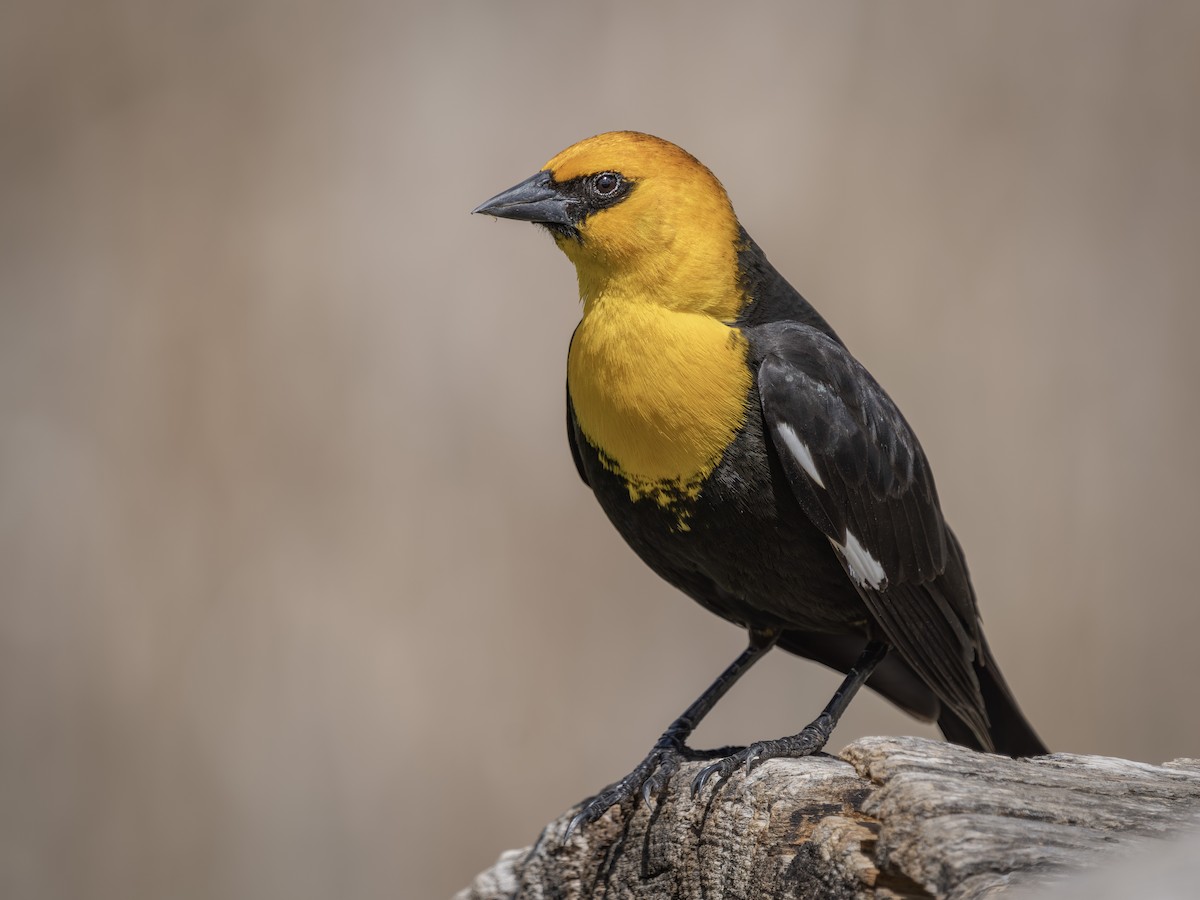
888	818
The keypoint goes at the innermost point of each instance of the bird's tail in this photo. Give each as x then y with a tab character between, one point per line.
1009	731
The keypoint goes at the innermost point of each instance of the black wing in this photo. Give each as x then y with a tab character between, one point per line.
860	475
571	428
571	440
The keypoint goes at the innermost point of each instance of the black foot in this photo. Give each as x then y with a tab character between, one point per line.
809	741
649	777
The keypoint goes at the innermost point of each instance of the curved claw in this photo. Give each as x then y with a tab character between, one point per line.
724	767
576	821
592	810
648	790
755	754
657	782
596	807
648	777
753	757
702	777
668	765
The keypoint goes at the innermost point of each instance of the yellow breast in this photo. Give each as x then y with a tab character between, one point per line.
659	393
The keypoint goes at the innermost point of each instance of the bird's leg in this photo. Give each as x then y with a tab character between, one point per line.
814	735
653	772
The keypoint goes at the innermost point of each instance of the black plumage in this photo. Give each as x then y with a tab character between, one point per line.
750	460
757	548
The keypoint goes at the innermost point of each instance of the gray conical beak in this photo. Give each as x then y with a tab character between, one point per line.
535	199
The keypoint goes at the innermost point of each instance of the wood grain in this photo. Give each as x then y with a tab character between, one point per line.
887	818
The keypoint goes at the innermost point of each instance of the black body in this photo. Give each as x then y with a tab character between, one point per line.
756	547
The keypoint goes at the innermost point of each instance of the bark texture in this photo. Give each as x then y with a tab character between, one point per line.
888	818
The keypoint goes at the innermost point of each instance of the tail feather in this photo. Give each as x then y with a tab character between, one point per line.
1009	732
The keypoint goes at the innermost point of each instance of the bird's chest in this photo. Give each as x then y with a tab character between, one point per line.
658	394
740	545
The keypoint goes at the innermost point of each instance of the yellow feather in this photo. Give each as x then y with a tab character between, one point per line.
657	372
660	393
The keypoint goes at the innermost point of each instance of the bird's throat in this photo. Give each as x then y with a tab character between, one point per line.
659	394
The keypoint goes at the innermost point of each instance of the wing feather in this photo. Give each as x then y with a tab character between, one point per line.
574	442
858	472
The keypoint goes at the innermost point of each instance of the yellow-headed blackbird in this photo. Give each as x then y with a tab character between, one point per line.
750	460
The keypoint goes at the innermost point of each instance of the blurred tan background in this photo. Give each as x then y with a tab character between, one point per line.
300	595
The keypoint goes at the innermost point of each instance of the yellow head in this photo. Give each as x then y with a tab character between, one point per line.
640	218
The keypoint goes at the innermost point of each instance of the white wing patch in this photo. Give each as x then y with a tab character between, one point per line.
799	451
864	568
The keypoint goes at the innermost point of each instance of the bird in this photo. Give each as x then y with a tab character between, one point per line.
751	461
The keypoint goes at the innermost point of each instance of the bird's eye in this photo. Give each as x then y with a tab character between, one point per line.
606	183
